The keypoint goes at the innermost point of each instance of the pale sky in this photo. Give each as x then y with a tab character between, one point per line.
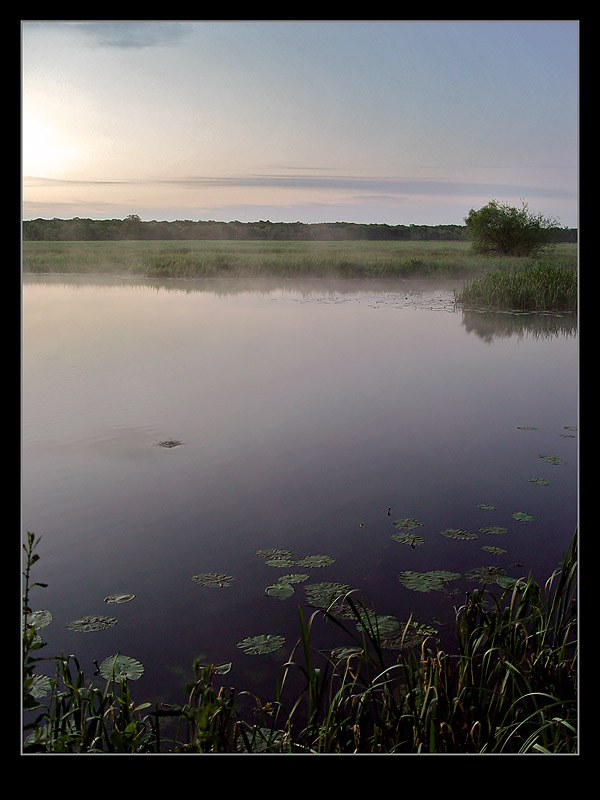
398	122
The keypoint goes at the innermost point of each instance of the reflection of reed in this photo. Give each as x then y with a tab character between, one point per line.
490	325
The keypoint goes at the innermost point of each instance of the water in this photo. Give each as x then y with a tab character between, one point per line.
305	412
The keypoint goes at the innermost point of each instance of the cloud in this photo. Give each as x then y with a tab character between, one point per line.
123	33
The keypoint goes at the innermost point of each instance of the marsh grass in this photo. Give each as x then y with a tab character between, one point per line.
200	259
510	687
541	287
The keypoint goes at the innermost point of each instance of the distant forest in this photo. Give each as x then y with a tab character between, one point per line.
133	228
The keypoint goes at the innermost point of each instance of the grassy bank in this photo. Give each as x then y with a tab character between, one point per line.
510	686
541	287
198	259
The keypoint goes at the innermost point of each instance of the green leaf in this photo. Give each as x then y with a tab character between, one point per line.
118	667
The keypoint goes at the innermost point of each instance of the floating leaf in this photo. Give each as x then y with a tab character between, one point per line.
295	578
384	624
486	506
263	643
495	529
570	427
539	481
39	619
410	634
527	428
495	550
280	590
485	574
315	561
458	533
119	667
408	538
213	579
434	580
407	522
549	458
119	598
522	516
345	652
40	686
322	594
93	622
168	443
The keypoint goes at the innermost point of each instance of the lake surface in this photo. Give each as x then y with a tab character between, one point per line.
311	417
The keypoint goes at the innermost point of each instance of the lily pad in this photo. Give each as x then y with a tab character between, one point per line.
322	594
168	443
539	481
314	561
506	582
263	643
485	574
280	590
408	538
299	577
527	428
550	458
213	579
93	622
495	529
434	580
521	516
486	506
119	598
407	522
494	550
410	634
119	667
385	624
39	619
40	686
458	533
570	427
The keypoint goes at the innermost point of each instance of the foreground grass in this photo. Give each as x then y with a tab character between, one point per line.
199	259
541	287
511	687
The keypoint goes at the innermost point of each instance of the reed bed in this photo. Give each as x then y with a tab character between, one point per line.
509	687
200	259
541	287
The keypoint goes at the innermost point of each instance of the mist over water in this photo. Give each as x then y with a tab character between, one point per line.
304	412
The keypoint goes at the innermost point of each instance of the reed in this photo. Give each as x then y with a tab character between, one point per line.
541	287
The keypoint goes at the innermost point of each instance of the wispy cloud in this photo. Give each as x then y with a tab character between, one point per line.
395	186
122	33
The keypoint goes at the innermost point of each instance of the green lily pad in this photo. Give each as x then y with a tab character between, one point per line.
277	557
93	622
539	481
407	522
495	550
521	516
314	561
385	624
570	427
506	582
280	590
294	578
527	428
408	538
213	579
119	667
40	686
119	598
39	619
550	458
433	580
263	643
458	533
485	574
486	506
410	634
495	529
323	593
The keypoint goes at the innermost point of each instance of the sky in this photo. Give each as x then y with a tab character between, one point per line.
383	121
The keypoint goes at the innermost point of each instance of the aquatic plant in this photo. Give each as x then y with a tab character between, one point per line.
262	643
213	579
434	580
407	522
550	458
408	538
494	529
522	516
119	666
485	574
119	598
92	622
458	533
539	481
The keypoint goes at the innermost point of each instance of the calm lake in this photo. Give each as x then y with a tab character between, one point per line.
310	418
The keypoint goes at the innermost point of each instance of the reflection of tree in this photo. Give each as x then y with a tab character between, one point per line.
490	325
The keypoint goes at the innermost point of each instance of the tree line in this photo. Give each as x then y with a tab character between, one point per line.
134	228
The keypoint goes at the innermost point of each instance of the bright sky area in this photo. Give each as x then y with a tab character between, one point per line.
397	122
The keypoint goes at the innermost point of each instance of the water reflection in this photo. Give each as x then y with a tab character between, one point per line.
306	411
489	325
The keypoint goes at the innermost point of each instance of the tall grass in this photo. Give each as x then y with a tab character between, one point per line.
510	687
542	287
199	259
